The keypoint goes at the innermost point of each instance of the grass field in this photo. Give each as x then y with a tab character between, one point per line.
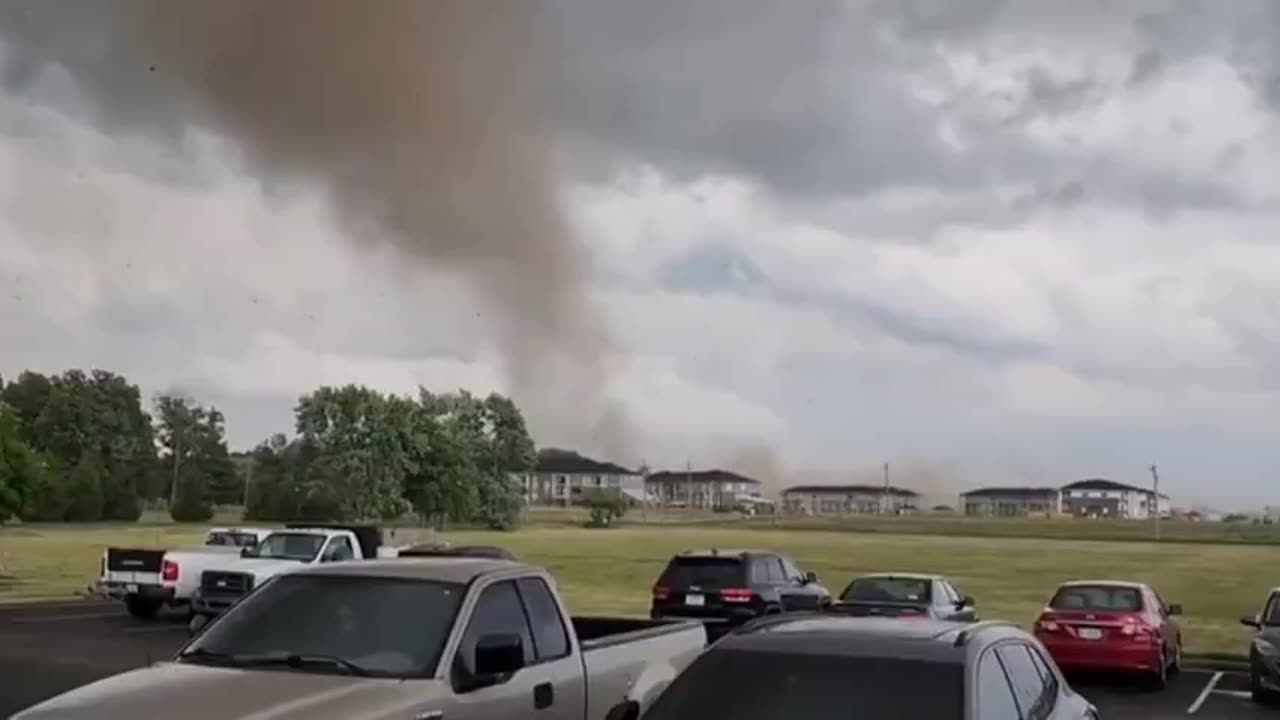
611	571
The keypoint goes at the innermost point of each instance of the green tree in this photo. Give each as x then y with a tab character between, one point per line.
191	504
194	445
606	507
84	490
22	470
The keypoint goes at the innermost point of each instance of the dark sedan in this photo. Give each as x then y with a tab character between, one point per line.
905	595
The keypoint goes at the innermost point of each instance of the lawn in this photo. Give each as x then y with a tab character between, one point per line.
611	571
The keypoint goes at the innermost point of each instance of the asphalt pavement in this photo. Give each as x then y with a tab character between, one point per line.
49	648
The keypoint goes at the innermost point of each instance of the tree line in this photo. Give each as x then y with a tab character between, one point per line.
81	447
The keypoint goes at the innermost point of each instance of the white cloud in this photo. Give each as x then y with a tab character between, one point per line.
957	328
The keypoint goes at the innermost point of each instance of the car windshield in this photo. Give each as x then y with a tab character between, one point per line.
771	686
1271	616
887	589
703	572
1103	598
387	627
289	546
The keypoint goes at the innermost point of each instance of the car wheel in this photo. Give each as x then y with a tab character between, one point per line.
1159	680
142	608
1177	658
1260	695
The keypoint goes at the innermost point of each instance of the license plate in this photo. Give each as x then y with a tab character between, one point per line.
131	588
1090	633
694	600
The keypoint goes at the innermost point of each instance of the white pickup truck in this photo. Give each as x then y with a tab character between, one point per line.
149	579
221	584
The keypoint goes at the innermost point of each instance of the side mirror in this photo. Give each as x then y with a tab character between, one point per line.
498	657
810	578
1175	609
1252	621
246	552
966	601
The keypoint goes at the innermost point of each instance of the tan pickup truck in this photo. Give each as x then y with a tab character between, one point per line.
400	639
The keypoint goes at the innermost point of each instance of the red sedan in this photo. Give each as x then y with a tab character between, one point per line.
1112	626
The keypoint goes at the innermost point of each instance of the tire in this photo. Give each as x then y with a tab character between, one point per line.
1159	680
1259	694
1176	667
141	607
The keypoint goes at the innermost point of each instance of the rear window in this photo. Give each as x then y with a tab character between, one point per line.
885	589
771	686
1105	598
232	538
703	571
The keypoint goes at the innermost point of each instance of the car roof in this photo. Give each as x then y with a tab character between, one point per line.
1112	583
929	640
723	552
904	576
442	569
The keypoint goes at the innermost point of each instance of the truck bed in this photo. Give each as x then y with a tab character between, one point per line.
631	658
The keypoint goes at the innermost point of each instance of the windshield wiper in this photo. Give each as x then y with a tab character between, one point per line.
298	661
200	654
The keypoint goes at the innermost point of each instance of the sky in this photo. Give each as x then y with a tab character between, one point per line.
986	243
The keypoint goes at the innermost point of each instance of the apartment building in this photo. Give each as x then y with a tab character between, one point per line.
849	500
705	489
560	477
1011	502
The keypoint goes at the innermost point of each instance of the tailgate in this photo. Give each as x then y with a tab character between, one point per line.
132	565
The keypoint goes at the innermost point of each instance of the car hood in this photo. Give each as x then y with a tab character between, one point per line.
259	567
197	692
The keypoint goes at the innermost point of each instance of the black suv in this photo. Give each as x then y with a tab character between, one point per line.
733	586
828	667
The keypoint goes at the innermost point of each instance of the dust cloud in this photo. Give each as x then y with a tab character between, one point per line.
419	119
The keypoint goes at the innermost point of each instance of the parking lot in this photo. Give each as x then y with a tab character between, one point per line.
49	648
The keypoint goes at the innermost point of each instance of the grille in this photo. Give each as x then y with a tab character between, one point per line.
213	582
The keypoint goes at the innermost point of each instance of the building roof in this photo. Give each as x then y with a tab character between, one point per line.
702	476
1102	484
1018	492
555	460
850	490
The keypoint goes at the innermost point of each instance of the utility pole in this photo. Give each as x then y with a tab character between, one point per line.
1155	498
886	504
688	483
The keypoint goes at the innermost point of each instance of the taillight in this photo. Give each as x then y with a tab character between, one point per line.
1048	623
169	571
1138	629
661	593
737	595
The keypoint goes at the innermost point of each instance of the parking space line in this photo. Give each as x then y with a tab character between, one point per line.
1242	694
1204	694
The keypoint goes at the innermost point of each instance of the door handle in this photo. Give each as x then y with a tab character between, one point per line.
543	696
429	715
